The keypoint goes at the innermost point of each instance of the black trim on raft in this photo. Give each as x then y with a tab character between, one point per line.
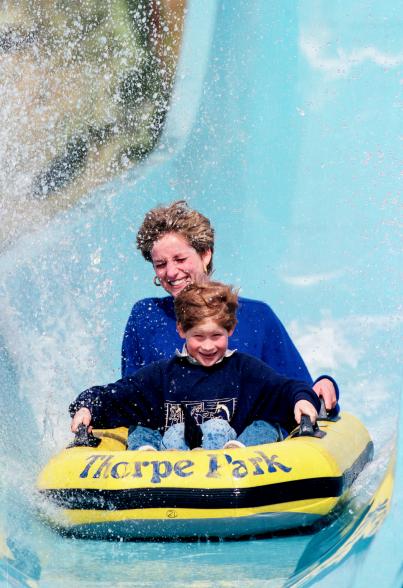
205	498
352	472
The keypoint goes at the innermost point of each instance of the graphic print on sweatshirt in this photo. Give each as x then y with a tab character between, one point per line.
201	410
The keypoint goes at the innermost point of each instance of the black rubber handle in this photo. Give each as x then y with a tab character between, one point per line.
322	412
84	439
306	428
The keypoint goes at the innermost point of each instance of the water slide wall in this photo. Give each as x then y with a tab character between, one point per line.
284	129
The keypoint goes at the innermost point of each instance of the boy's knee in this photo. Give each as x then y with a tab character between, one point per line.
176	429
216	432
139	436
259	432
216	426
174	437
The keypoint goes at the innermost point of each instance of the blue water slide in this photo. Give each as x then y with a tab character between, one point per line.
284	129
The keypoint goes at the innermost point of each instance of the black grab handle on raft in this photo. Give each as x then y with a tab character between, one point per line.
322	412
84	438
308	429
324	415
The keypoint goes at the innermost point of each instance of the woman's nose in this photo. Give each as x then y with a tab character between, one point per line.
171	270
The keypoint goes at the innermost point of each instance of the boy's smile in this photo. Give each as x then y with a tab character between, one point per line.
206	342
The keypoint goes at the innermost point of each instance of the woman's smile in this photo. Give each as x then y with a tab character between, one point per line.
176	263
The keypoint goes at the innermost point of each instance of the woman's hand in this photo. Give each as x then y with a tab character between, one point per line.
305	407
82	417
325	389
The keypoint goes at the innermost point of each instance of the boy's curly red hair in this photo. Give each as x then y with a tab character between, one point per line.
207	300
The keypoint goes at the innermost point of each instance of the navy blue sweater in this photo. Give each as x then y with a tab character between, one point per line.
240	389
151	335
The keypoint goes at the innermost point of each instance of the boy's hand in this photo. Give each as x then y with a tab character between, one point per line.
82	417
325	389
305	407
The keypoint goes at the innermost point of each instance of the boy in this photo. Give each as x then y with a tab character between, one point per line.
229	399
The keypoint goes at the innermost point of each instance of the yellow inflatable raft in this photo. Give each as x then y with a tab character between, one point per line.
107	491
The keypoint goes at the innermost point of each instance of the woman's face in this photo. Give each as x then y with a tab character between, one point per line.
176	263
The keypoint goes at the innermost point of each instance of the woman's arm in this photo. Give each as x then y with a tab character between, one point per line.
262	334
131	357
326	387
280	353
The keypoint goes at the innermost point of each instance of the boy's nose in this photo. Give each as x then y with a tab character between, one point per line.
208	346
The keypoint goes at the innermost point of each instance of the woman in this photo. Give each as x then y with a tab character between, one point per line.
179	242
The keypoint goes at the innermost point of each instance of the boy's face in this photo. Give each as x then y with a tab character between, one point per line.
206	342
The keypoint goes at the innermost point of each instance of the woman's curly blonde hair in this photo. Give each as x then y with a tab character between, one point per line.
179	218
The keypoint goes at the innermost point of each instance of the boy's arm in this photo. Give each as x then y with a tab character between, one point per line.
113	405
305	407
282	399
285	400
129	401
81	417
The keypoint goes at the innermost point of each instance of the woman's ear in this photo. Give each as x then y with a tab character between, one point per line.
181	332
206	258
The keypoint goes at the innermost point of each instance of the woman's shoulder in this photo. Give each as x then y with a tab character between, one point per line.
151	310
249	306
153	304
251	302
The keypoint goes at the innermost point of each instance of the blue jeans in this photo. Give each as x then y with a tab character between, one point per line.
216	432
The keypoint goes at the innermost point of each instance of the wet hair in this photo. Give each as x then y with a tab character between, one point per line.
206	300
177	217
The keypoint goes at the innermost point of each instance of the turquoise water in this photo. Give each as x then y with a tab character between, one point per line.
284	129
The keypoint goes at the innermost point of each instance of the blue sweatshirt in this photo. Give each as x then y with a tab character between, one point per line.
151	335
240	389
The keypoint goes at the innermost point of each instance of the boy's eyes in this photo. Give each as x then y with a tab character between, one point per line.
215	336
